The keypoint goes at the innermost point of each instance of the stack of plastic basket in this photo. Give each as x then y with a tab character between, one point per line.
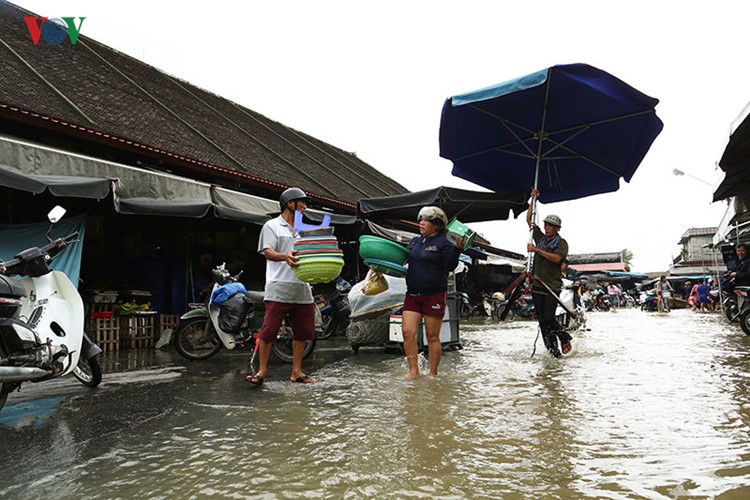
320	258
383	256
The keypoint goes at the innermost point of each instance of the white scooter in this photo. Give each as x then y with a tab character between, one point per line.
566	321
41	320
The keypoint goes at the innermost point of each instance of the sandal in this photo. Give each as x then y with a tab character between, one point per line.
304	379
255	379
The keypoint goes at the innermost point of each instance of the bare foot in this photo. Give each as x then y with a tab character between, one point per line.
412	375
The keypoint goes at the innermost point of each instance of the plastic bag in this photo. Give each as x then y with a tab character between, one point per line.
233	312
375	283
366	306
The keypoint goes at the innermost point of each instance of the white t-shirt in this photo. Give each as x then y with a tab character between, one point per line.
282	284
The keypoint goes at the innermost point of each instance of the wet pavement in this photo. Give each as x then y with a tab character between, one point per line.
646	406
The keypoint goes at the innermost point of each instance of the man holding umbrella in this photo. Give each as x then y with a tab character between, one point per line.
550	251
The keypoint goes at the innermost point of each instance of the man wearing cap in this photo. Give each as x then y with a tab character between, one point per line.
550	251
285	294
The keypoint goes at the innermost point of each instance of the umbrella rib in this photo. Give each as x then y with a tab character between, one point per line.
506	123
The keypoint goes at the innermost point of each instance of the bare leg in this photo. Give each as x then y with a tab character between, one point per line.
298	350
432	327
264	352
409	326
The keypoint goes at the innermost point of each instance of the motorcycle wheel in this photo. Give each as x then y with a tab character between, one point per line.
745	322
4	388
192	340
730	311
88	372
282	347
328	327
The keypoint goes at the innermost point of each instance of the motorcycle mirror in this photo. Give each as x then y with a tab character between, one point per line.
56	214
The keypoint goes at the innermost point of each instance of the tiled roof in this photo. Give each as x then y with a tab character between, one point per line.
107	97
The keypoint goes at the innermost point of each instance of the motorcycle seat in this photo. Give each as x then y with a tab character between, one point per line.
254	296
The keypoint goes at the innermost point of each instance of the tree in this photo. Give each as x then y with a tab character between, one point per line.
627	258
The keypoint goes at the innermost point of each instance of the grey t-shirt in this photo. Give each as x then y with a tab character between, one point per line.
282	285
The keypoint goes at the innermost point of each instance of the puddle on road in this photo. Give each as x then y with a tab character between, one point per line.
34	413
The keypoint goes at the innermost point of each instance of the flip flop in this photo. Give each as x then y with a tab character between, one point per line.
255	379
304	379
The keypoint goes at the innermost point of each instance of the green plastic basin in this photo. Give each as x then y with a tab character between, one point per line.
374	247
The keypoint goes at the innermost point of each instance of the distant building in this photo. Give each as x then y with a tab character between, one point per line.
698	256
591	263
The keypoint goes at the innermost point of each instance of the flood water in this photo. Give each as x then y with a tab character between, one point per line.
647	406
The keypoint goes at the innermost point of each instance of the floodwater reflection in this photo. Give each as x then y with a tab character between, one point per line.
647	406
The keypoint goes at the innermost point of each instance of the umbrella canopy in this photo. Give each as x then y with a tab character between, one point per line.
569	130
735	161
467	206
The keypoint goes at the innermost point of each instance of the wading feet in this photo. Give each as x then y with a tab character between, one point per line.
303	379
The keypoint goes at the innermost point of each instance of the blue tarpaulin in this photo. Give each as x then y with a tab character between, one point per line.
17	237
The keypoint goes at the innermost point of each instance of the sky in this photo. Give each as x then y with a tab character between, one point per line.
371	78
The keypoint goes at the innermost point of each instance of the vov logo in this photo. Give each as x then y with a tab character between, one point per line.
53	31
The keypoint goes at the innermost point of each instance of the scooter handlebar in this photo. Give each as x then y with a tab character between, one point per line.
51	249
55	247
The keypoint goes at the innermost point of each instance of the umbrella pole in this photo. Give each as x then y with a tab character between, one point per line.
533	217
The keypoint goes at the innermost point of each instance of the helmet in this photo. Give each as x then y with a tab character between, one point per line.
554	220
291	194
433	213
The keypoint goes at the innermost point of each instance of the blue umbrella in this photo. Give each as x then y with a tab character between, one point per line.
569	130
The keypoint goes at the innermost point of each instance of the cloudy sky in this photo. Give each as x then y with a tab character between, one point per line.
371	77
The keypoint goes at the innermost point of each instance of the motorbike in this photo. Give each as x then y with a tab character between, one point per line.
335	310
41	320
730	300
602	303
565	320
482	307
523	307
649	301
743	306
203	331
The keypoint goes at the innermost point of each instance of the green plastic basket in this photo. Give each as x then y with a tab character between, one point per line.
374	247
456	230
315	272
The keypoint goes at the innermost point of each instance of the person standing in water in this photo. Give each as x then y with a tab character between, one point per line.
550	251
431	258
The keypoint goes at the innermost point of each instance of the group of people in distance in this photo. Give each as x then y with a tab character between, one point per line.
431	258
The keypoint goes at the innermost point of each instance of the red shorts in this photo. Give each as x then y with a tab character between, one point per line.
301	319
427	305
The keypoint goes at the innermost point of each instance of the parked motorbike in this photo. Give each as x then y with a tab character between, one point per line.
523	307
743	306
203	331
649	301
730	300
335	310
41	320
480	308
565	320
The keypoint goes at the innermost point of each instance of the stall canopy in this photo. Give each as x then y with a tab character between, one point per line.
33	168
467	206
